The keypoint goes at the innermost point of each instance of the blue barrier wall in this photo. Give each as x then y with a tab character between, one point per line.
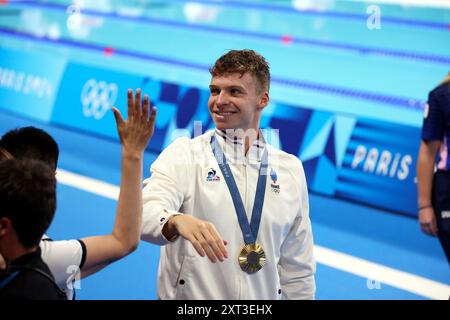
358	159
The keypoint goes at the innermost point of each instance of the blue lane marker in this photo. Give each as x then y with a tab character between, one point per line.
289	10
306	12
258	35
355	94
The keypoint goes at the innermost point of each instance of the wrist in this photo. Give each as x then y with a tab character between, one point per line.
169	230
131	155
425	206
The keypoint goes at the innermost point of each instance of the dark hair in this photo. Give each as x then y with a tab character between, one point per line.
27	198
242	61
31	142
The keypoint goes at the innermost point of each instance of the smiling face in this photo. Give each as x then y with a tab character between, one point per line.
235	101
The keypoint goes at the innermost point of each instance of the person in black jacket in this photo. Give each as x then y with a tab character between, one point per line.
28	203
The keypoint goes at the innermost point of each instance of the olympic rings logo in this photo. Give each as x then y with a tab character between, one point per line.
97	97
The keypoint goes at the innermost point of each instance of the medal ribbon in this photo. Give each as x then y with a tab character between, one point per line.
249	231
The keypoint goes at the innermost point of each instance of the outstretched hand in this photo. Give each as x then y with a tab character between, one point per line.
136	131
134	134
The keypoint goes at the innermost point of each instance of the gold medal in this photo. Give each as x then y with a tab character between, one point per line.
252	258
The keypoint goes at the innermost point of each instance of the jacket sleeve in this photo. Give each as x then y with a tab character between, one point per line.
164	192
297	265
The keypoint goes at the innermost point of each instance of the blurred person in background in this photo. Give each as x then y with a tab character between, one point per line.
433	166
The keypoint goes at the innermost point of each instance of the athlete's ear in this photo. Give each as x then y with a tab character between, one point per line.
264	100
5	226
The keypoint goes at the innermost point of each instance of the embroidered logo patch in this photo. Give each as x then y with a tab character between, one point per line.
274	186
212	176
445	214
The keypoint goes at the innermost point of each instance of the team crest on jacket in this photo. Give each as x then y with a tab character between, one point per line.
274	186
212	176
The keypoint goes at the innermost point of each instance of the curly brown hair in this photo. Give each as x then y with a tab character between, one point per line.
243	61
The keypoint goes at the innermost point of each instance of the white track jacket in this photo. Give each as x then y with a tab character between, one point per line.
186	179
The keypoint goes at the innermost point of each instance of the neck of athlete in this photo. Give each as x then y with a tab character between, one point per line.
249	140
246	136
14	250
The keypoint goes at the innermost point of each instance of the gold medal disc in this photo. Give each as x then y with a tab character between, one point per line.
252	258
